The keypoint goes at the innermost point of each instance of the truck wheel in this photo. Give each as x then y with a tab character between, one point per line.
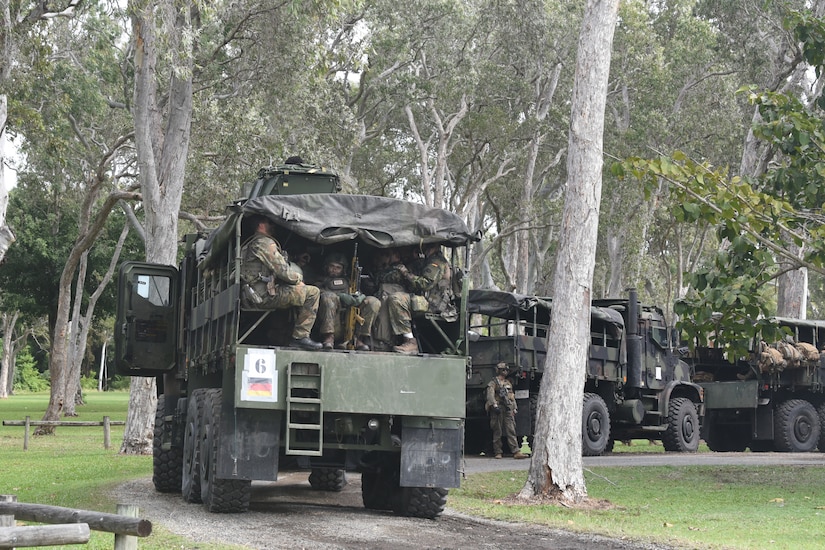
682	432
595	425
167	464
328	479
421	502
218	495
796	427
191	483
821	411
376	491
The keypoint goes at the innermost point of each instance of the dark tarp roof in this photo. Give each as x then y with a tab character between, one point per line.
508	305
327	219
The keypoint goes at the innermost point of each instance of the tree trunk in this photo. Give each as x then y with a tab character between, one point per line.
556	469
9	322
792	291
161	145
6	235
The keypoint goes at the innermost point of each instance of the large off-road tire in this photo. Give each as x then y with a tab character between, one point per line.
421	502
377	490
328	479
192	435
821	411
796	427
167	464
595	425
682	432
218	495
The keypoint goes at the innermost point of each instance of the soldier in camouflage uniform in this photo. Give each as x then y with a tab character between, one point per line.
426	289
501	405
336	301
269	282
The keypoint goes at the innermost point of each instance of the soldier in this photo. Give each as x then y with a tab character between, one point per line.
335	301
433	278
501	406
269	282
394	289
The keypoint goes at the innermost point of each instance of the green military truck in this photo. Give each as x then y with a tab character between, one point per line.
635	386
236	404
773	399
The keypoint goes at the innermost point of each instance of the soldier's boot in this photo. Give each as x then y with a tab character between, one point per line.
518	455
362	342
409	346
305	343
328	340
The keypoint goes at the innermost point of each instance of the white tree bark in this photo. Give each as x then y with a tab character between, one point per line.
556	468
162	138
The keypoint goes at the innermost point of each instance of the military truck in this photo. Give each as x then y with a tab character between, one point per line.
237	404
635	386
771	399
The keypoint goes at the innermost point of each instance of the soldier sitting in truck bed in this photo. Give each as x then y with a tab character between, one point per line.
336	300
270	283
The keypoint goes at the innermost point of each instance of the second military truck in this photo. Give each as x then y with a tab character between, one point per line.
237	404
635	385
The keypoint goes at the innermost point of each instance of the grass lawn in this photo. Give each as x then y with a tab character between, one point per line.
689	506
728	507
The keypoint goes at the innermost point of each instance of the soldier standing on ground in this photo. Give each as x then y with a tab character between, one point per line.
271	283
335	299
501	406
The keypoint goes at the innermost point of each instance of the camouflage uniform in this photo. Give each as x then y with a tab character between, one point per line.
435	282
267	274
331	309
501	405
403	290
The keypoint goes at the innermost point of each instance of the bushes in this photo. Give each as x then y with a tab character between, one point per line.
26	376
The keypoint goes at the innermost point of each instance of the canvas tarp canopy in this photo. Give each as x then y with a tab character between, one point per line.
512	306
327	219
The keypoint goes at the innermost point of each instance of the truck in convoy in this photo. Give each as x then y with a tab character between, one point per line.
237	404
772	399
636	386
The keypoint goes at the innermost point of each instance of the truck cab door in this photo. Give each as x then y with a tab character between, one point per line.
146	323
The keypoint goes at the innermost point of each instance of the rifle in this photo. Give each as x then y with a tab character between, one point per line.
354	313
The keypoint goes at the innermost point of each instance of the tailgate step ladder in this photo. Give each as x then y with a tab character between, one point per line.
304	410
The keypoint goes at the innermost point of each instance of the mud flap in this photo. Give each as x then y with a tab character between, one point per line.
431	456
249	449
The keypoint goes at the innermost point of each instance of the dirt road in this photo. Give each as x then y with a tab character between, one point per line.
288	514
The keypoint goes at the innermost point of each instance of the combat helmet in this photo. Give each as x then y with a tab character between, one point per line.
335	258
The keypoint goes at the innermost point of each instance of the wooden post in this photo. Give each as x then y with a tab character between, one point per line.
7	520
107	440
126	542
26	434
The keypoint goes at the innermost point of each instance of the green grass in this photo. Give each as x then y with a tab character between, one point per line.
71	468
689	506
728	507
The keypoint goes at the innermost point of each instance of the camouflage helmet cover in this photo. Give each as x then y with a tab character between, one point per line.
502	366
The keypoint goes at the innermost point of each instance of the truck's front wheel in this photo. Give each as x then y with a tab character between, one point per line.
595	425
218	495
796	427
682	432
167	464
